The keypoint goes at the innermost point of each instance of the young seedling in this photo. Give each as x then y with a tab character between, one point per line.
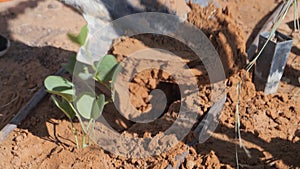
81	37
65	89
86	105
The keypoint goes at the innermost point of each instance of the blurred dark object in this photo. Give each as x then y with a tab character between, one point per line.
4	45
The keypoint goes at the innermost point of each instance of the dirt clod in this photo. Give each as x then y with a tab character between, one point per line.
269	123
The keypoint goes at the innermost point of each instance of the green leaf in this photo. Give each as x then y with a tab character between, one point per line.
114	78
84	105
89	107
70	66
60	86
77	68
98	107
105	68
65	107
81	37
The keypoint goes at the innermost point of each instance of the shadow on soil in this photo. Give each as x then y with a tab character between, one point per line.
258	27
292	74
46	111
24	68
280	149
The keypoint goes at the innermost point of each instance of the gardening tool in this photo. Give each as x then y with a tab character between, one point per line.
270	65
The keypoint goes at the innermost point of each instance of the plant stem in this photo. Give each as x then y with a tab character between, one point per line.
102	83
83	140
237	124
75	134
78	116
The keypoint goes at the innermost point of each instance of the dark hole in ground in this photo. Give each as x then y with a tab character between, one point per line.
167	118
163	122
171	91
3	43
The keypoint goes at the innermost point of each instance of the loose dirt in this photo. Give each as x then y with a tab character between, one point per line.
270	125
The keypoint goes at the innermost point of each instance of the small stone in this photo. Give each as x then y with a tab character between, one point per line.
137	80
232	93
233	81
24	135
279	127
296	139
138	163
190	164
165	75
272	113
265	98
19	138
23	165
14	148
147	135
192	151
283	97
290	137
152	83
281	120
